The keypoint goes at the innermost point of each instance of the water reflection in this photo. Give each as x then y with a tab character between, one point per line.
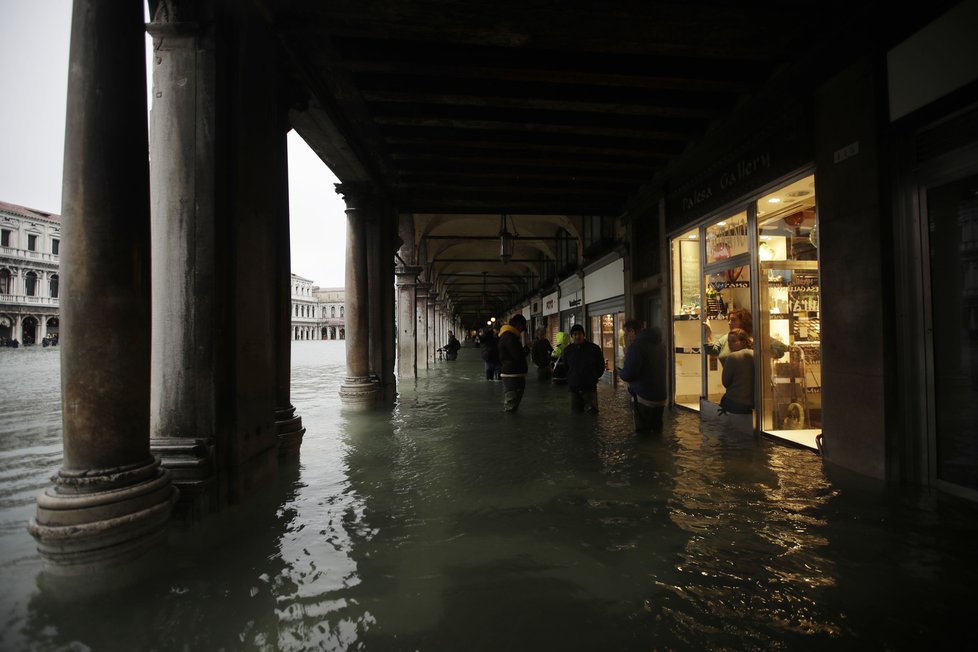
439	522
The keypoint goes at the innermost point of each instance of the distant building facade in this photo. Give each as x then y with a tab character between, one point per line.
30	243
332	312
317	313
304	326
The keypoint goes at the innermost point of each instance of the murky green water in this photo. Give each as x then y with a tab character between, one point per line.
440	523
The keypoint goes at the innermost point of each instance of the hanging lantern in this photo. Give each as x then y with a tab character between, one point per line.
506	241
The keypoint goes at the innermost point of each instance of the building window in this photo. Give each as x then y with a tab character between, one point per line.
54	285
55	246
332	311
341	311
599	230
566	251
31	242
30	284
5	237
5	281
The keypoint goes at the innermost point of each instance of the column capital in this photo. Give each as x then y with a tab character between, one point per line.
358	195
409	270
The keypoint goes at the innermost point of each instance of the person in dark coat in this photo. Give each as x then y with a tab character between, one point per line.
451	349
585	366
490	354
645	373
512	361
540	354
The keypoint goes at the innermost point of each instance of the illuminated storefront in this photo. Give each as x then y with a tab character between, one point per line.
756	263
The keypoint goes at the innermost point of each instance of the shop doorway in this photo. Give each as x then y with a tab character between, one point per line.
788	346
949	233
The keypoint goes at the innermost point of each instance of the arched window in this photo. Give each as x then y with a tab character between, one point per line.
30	284
332	311
54	286
5	281
342	310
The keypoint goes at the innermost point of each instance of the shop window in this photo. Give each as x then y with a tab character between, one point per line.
727	238
789	328
728	298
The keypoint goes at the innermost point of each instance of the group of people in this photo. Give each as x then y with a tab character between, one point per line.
576	362
580	364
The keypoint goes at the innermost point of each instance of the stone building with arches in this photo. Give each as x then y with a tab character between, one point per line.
304	309
30	242
332	312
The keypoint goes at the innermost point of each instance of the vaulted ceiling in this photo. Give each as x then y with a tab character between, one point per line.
532	108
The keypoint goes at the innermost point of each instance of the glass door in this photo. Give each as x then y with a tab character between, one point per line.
789	327
686	308
727	287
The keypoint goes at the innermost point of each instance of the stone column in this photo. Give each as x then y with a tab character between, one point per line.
421	297
111	500
182	396
389	243
375	293
407	322
432	326
357	390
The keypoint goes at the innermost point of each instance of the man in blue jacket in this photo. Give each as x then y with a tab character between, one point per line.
645	373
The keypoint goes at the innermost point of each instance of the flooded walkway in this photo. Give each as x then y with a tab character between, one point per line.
441	523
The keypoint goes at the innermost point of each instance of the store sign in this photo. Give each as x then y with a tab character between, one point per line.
573	303
723	285
785	143
739	173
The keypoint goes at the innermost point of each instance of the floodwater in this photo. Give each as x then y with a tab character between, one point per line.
440	523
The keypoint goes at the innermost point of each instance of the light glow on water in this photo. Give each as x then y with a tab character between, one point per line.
440	523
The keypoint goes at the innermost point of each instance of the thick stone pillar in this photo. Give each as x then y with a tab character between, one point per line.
357	390
182	119
288	425
375	268
407	322
111	501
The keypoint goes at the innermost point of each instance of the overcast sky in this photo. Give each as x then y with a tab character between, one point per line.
33	83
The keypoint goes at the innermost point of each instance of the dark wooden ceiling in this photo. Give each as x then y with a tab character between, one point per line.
527	107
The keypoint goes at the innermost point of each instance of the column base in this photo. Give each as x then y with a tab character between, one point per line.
89	523
290	431
190	461
358	392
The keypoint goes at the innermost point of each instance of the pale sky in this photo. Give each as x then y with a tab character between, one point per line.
34	38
